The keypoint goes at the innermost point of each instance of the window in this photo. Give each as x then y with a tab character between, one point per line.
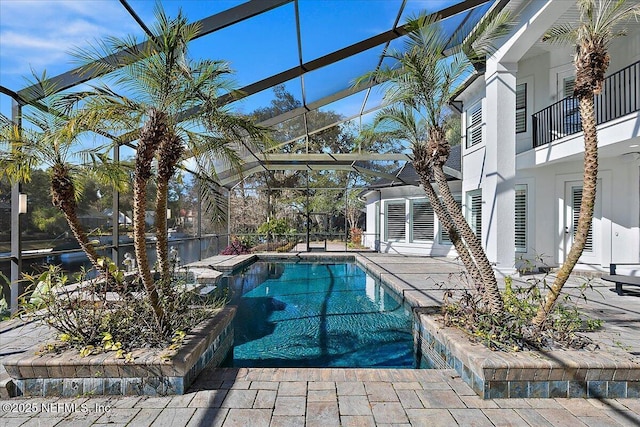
568	84
377	225
474	125
395	221
444	233
422	221
521	108
474	211
521	218
576	199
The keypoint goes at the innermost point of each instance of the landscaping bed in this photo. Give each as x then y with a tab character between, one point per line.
151	372
536	374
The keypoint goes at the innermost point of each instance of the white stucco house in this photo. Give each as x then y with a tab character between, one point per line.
521	157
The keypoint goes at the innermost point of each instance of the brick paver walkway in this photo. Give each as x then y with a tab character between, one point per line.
255	397
340	397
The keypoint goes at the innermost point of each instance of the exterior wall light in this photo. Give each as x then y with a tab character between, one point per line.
22	203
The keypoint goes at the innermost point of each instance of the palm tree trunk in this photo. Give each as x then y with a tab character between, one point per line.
169	154
63	198
151	134
420	163
491	290
162	239
589	181
81	236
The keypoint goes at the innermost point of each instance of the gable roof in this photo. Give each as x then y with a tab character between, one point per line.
407	175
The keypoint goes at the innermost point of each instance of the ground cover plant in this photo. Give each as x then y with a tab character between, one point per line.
513	331
92	320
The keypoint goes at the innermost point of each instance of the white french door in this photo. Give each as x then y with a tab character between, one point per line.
573	196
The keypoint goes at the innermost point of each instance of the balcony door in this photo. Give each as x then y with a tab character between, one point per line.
573	196
570	122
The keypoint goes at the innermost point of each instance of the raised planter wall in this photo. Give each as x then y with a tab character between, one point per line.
67	374
492	374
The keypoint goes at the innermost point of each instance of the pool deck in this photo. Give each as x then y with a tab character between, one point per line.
347	397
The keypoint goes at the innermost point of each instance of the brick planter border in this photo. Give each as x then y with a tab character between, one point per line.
535	374
67	374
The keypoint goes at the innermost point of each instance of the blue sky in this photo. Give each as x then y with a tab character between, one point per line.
39	34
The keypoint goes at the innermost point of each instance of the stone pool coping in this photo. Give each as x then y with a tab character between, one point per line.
559	373
491	374
606	373
151	373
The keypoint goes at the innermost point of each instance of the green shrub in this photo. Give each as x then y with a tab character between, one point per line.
92	320
512	331
274	226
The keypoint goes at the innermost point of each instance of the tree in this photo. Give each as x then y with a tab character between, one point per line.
173	100
424	79
598	26
52	139
401	122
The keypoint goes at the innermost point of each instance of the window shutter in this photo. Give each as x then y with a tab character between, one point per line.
521	219
422	221
444	233
576	193
521	108
568	84
474	211
396	221
474	130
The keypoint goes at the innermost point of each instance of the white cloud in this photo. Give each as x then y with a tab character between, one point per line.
39	34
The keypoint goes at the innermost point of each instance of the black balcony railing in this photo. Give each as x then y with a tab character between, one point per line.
620	96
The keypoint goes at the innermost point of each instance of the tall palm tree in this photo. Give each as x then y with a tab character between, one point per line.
51	138
173	100
599	24
401	122
425	77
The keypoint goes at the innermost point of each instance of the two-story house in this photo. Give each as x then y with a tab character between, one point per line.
522	154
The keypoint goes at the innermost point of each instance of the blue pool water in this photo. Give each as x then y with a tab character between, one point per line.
317	315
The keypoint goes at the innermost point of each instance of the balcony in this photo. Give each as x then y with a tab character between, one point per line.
620	96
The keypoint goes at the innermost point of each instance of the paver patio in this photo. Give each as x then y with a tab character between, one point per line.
347	397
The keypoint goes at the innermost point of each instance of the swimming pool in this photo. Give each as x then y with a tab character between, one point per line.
317	315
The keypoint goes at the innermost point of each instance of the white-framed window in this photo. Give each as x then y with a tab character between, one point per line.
474	125
422	221
395	218
474	211
444	233
376	208
521	108
520	232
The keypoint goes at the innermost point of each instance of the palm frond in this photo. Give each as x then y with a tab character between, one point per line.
481	39
561	34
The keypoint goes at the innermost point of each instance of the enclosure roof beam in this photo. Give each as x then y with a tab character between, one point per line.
333	157
348	51
207	25
321	162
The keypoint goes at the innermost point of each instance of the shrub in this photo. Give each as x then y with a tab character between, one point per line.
274	226
512	331
237	247
91	320
356	236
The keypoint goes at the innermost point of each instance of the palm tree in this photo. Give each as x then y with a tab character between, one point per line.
599	24
425	77
52	138
403	124
174	100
